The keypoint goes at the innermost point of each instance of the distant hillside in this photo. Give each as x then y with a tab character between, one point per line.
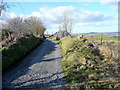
104	32
99	34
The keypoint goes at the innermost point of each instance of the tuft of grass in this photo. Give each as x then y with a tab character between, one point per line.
69	44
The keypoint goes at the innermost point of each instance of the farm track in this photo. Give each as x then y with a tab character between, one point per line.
40	69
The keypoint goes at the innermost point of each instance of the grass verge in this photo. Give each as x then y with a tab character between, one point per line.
84	65
17	51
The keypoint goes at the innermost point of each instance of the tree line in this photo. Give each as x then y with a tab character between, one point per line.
21	27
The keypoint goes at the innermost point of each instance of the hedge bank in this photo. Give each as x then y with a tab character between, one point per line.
17	51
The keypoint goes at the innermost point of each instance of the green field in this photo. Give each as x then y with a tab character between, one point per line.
97	36
104	38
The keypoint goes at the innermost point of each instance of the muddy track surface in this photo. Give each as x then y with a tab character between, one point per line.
40	69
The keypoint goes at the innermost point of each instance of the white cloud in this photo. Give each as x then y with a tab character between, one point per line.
90	16
113	4
10	14
51	16
98	24
36	14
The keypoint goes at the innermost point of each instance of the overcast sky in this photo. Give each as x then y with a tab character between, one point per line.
97	16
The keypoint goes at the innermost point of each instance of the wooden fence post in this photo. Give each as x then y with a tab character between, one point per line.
101	38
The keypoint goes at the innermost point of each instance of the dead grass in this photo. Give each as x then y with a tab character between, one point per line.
86	66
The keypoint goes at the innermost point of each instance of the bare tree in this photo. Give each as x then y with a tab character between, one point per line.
29	26
35	25
66	22
3	6
16	25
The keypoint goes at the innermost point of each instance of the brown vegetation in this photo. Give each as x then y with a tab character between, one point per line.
89	64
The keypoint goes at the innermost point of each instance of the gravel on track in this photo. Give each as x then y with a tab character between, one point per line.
40	69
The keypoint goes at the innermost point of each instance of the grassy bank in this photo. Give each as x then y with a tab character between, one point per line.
17	51
85	66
